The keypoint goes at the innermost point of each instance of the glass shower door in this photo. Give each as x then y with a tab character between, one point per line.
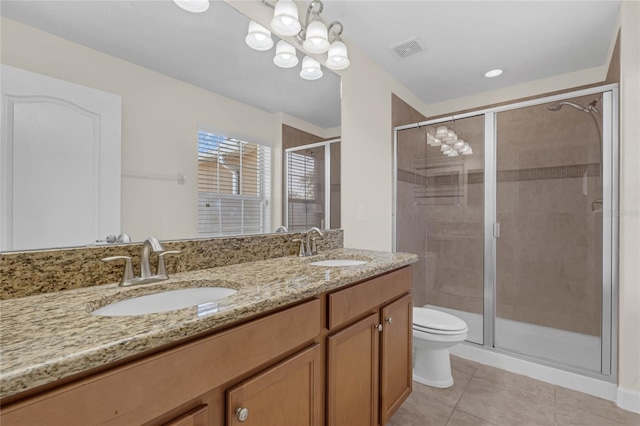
549	192
439	217
312	186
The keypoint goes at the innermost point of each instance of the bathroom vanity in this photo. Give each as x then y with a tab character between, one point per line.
297	345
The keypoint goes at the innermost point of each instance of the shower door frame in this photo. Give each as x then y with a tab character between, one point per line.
327	178
609	172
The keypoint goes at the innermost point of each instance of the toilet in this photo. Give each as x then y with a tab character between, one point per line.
434	332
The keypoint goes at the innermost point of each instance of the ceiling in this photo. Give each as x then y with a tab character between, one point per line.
205	49
462	40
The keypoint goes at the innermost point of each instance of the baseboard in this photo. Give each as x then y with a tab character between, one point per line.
544	373
628	399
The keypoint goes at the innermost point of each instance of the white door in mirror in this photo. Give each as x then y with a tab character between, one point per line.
166	301
62	148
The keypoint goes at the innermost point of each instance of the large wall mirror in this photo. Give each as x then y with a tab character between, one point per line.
103	107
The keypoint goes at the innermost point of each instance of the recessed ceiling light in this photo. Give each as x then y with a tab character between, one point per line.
493	73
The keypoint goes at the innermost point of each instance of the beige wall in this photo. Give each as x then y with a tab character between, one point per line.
629	355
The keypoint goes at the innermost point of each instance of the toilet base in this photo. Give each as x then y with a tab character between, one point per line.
432	367
442	385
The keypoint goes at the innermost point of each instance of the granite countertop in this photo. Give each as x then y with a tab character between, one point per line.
51	336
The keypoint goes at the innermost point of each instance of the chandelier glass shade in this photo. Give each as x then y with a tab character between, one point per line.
285	19
258	37
337	59
310	69
194	6
317	38
285	55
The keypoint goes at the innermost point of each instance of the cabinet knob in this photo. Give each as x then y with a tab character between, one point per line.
379	327
389	320
242	414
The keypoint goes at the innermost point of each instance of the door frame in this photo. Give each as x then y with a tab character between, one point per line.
610	177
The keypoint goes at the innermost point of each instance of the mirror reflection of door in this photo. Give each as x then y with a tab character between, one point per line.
60	162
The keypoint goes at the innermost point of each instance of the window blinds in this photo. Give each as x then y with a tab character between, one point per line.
233	186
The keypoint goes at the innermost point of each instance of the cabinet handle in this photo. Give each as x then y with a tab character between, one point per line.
389	320
379	327
242	414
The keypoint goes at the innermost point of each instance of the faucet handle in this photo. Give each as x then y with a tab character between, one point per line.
161	268
128	270
301	251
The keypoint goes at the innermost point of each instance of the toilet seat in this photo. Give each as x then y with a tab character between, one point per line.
441	332
437	322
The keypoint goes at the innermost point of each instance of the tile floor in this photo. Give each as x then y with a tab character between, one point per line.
487	396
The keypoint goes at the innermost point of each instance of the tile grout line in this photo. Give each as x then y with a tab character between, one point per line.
461	395
465	390
555	405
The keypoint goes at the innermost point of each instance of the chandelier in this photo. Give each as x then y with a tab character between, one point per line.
448	142
314	37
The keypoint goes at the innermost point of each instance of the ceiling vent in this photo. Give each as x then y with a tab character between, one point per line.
407	48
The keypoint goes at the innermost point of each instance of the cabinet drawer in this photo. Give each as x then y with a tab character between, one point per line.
348	304
146	389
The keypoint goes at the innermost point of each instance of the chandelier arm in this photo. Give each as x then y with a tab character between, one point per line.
338	33
311	8
266	3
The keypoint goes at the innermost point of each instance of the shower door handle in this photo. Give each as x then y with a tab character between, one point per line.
496	230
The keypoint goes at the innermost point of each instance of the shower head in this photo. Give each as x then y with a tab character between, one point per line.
559	105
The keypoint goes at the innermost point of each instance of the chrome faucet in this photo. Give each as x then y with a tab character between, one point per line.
310	243
281	229
145	277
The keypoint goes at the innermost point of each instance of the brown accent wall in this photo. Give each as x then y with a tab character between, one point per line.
402	113
412	225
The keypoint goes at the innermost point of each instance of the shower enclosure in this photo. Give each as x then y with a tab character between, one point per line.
517	237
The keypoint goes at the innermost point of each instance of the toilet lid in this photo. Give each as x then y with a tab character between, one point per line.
435	320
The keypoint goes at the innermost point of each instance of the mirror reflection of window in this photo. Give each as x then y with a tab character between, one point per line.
233	186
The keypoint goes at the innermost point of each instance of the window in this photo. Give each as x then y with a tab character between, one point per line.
233	186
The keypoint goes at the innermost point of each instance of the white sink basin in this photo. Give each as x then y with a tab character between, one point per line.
165	301
338	262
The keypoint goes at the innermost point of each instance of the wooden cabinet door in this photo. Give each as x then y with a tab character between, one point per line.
395	356
195	417
290	393
352	374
